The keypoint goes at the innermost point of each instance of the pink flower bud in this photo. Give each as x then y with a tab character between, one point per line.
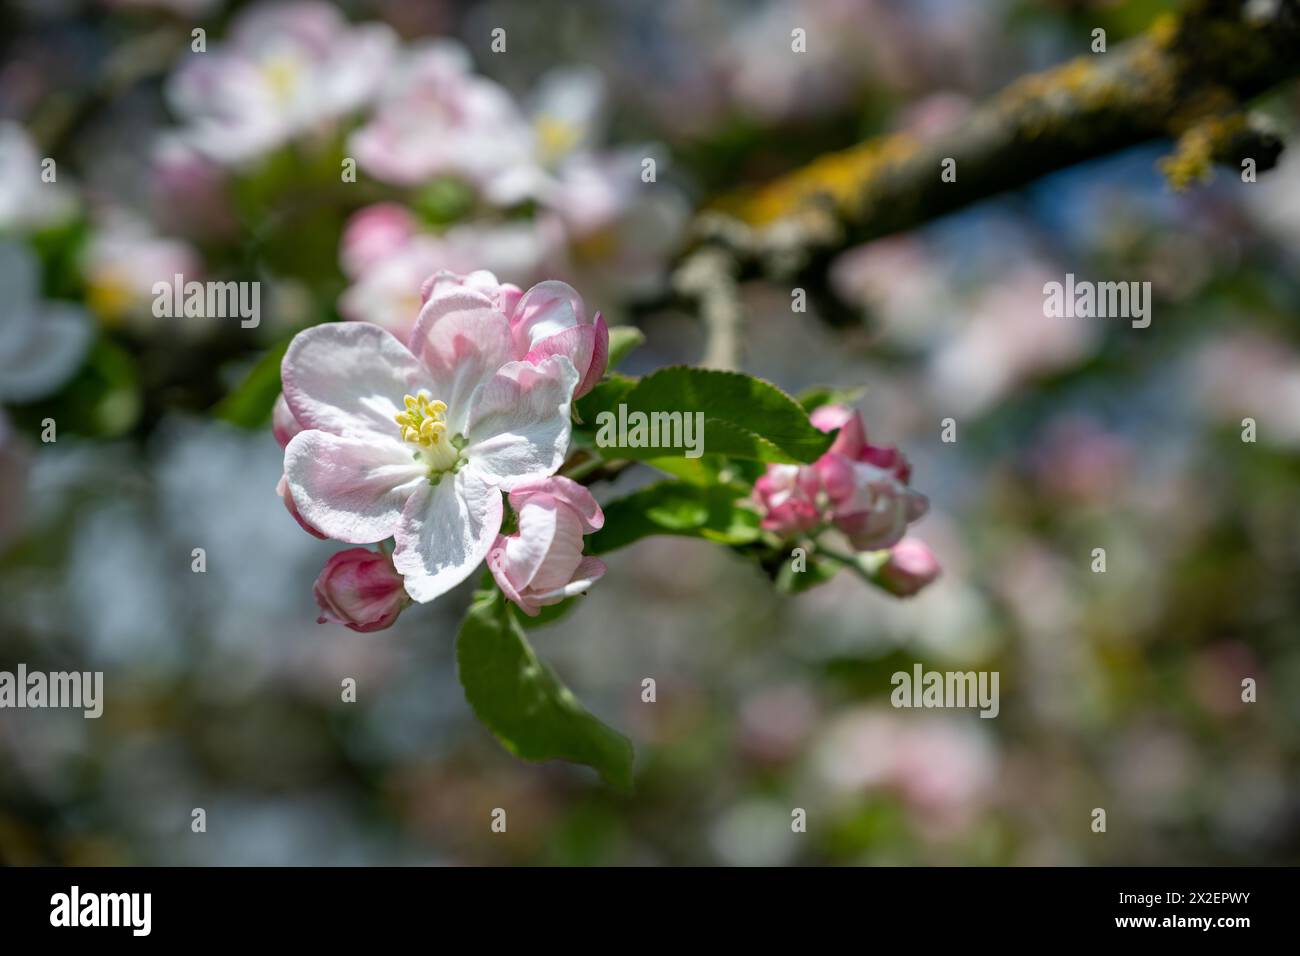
878	512
910	567
787	497
360	589
542	563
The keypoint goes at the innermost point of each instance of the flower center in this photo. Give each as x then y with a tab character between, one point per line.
282	74
109	295
555	139
424	424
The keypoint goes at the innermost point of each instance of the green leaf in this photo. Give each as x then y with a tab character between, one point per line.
743	417
250	402
676	508
712	470
705	470
524	704
622	340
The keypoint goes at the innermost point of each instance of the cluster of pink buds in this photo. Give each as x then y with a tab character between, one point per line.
859	489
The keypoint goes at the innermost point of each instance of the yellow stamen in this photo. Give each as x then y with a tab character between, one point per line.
424	423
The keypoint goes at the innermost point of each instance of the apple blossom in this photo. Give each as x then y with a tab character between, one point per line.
123	262
390	263
567	112
564	116
870	505
282	491
42	342
501	297
360	589
542	562
418	443
439	118
285	69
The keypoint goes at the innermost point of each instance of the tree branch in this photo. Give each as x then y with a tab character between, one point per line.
1187	77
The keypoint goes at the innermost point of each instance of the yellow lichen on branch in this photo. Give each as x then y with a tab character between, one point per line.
1186	77
840	178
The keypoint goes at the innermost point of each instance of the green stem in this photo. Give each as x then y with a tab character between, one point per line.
847	560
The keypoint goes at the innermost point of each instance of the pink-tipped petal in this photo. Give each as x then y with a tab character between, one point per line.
567	492
546	309
852	438
283	425
282	489
599	359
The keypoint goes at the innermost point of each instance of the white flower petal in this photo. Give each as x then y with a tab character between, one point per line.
518	426
445	533
462	350
351	488
349	378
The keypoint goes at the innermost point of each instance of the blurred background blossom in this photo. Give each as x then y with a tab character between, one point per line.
1120	690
